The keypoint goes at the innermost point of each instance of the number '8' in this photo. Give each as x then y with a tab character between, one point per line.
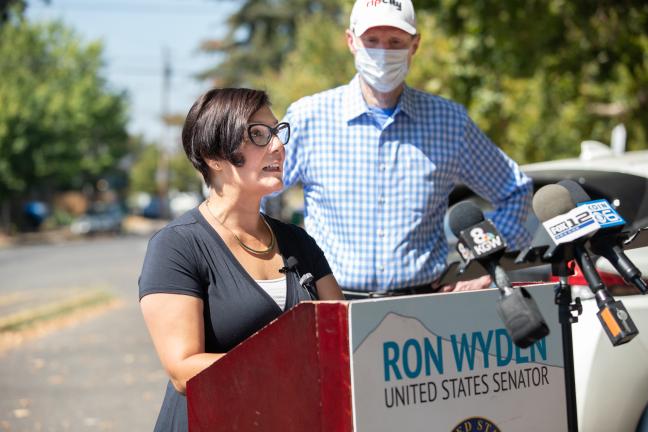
477	234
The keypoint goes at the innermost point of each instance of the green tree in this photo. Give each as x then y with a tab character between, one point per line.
320	60
548	73
144	173
10	9
260	34
183	176
60	124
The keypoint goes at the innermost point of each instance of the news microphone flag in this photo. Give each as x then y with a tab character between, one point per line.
603	213
480	240
577	223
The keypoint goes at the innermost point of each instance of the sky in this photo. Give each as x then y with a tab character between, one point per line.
136	34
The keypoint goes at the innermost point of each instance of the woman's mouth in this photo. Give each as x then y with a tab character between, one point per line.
275	167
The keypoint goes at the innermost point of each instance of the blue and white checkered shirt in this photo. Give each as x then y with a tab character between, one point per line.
376	195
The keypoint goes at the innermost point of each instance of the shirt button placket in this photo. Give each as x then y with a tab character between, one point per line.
383	150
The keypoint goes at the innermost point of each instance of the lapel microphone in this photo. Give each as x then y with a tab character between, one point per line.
306	281
291	265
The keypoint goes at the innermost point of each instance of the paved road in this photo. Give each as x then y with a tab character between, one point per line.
101	374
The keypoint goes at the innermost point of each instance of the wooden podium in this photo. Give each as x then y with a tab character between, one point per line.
293	375
441	362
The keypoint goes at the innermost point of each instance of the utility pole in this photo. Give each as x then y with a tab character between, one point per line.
162	174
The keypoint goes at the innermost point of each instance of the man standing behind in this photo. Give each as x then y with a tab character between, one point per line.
378	160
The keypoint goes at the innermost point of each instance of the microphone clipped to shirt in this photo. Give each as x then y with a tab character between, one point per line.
306	281
479	240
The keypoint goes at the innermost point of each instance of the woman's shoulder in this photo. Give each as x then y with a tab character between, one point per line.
183	226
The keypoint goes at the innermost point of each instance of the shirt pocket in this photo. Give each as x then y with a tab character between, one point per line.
416	177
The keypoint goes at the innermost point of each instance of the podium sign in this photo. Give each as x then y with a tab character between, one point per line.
444	362
437	362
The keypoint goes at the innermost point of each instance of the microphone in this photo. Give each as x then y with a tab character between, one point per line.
608	242
569	225
549	242
306	281
479	240
291	265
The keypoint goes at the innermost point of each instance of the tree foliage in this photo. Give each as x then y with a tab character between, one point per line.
538	76
60	124
145	172
320	60
13	9
260	35
548	73
9	8
182	175
142	174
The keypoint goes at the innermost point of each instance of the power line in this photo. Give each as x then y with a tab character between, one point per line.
128	8
144	71
135	70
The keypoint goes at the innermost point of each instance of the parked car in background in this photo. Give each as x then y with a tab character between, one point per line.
182	202
100	218
611	382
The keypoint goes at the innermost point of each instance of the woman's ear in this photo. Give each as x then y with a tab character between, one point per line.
214	164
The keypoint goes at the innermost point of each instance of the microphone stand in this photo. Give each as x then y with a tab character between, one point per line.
566	318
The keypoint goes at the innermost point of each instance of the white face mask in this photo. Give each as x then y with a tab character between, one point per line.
382	69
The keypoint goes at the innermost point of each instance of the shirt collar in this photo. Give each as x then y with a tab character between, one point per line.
407	102
355	105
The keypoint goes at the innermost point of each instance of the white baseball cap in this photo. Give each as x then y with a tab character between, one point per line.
390	13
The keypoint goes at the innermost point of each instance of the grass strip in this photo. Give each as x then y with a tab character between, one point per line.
26	319
11	298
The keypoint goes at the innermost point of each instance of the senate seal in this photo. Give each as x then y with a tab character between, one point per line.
476	424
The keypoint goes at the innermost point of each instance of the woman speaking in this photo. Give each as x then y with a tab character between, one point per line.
220	272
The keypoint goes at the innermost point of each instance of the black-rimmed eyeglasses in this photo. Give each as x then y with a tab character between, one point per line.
261	134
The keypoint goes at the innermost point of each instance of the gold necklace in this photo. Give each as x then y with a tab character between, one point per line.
243	245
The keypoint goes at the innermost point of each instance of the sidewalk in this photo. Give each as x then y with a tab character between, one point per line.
100	375
98	372
132	225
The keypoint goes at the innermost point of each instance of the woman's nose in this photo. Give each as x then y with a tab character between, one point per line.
276	143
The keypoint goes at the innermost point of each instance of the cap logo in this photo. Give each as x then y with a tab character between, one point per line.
395	3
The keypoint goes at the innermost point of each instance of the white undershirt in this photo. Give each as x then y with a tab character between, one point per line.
276	288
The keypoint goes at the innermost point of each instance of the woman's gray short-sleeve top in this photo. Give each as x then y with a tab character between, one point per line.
188	257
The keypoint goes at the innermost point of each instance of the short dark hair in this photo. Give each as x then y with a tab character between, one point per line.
216	124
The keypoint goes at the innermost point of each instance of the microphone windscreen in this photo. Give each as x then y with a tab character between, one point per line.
291	262
550	201
464	215
576	191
